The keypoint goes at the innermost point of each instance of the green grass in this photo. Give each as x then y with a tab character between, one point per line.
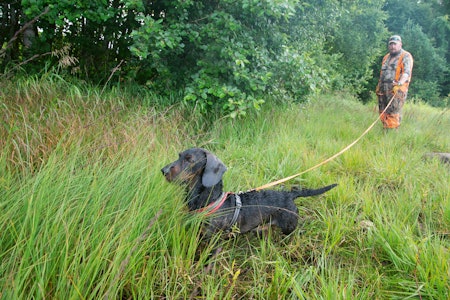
86	214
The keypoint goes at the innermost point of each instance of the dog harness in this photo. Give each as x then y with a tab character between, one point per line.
213	207
237	209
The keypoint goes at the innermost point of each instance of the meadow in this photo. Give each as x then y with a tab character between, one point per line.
86	213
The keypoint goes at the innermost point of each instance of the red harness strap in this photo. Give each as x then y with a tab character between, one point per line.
213	207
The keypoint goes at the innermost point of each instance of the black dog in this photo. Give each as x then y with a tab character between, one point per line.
202	172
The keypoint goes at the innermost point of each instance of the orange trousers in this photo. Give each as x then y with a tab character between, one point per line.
391	118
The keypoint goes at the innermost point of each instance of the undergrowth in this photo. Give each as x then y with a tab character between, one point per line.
86	213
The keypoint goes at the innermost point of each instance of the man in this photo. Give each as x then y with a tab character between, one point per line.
395	75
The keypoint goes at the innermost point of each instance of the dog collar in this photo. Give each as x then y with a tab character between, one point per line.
213	207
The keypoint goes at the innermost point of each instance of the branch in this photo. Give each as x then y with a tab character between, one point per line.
24	62
24	27
116	68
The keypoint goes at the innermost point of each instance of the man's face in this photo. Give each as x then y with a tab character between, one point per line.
395	47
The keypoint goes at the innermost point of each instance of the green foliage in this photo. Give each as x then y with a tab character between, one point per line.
428	91
359	37
217	54
429	65
230	56
225	56
95	30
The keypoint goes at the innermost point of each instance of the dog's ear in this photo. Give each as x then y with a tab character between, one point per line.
214	170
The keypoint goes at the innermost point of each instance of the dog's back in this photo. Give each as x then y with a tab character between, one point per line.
274	208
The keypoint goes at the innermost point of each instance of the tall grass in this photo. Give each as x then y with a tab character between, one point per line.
86	213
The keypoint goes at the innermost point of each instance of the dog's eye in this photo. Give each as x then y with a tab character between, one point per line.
189	158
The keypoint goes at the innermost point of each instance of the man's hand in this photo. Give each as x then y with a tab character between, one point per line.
397	86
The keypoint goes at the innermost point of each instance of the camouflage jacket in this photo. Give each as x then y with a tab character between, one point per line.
393	70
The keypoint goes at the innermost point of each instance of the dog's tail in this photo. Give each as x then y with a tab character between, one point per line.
309	192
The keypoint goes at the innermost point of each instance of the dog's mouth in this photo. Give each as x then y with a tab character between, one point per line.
168	177
182	177
171	176
166	171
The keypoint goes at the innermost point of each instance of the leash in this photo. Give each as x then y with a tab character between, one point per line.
328	159
213	207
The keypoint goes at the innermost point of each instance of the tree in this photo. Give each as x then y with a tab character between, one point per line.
429	66
358	37
225	53
96	31
10	14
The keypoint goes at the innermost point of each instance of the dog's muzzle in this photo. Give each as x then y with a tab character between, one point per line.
166	172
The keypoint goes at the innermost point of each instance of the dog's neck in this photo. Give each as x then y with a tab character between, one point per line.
199	196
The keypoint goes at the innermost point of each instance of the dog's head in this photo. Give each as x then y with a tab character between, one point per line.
194	164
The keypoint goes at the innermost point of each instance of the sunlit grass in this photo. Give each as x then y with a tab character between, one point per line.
86	213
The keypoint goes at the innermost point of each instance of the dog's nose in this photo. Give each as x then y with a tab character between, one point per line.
164	171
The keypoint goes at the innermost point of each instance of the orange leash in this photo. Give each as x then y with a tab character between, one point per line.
328	159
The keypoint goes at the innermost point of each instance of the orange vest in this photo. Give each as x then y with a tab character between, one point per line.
400	67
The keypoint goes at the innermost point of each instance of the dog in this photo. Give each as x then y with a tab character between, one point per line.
201	172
